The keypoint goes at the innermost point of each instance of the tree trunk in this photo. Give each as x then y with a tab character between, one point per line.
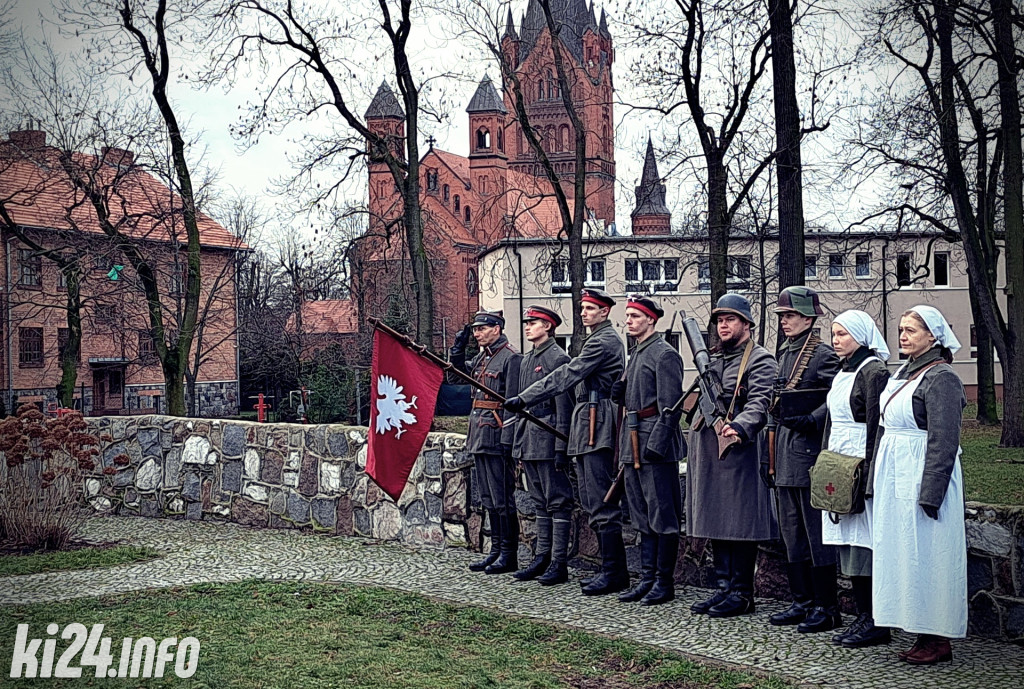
988	414
787	138
718	226
73	348
1013	219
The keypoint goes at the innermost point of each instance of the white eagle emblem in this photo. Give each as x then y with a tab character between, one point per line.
392	409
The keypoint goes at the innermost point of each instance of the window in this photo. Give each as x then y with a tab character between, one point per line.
431	180
468	217
703	274
458	205
672	338
106	314
810	267
560	277
501	140
62	280
147	352
62	344
472	283
942	269
739	272
31	268
863	268
483	138
30	347
446	192
595	273
903	269
652	274
836	266
974	341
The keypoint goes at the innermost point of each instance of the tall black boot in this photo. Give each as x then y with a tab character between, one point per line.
557	572
648	568
825	616
863	632
508	558
800	586
481	565
740	601
664	589
541	552
614	575
720	552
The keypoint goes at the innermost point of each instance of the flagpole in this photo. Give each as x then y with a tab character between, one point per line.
449	367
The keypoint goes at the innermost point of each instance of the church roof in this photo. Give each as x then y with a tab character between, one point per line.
385	104
486	98
510	28
650	195
573	15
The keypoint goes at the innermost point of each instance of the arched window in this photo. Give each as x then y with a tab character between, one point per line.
446	192
483	138
468	218
563	138
457	205
540	90
431	180
472	284
501	140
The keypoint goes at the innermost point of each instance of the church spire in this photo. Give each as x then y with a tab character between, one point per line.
651	216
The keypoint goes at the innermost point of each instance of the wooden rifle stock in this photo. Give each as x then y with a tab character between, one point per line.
593	422
615	490
724	444
771	453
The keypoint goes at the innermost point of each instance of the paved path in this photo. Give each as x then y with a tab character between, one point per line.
220	552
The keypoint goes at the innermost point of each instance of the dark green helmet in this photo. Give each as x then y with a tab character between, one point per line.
802	300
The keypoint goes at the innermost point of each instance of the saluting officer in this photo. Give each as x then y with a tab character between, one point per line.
650	448
543	455
806	368
489	440
725	498
592	432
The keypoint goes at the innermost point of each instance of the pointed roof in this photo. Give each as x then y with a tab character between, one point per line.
650	195
603	27
510	28
385	104
486	98
574	17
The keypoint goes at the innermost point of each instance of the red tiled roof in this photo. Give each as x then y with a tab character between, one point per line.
533	206
38	193
328	316
456	163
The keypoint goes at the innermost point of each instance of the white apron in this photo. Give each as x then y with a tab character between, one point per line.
848	437
919	563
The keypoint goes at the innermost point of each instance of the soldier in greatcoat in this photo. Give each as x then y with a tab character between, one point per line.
543	455
726	500
650	448
807	366
489	440
592	432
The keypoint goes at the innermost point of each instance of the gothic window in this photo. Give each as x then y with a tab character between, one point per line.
468	217
457	204
540	90
431	180
483	138
563	138
446	192
472	284
501	140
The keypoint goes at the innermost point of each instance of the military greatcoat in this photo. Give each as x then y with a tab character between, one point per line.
497	367
533	443
725	498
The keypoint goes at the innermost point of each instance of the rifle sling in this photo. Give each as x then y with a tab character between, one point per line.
739	377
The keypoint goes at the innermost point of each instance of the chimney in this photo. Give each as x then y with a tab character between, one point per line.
28	139
117	157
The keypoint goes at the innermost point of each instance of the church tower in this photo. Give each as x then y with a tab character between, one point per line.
385	117
651	216
488	163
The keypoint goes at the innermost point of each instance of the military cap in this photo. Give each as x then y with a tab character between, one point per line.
489	318
800	299
597	296
645	305
534	312
735	304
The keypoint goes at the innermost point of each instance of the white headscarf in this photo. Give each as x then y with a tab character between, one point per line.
864	331
938	327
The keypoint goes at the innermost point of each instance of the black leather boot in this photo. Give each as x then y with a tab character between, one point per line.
508	558
648	567
542	552
614	576
481	565
825	616
803	602
720	552
867	634
664	589
740	601
557	572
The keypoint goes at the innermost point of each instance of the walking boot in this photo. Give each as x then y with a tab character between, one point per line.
648	567
720	551
800	586
557	572
542	552
664	589
929	651
508	558
614	576
740	601
825	616
481	565
854	627
867	635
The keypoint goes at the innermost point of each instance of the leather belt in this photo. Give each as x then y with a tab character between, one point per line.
486	404
646	412
586	398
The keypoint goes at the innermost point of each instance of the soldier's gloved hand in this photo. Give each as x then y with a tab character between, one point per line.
514	404
801	424
931	511
462	339
562	461
766	478
618	392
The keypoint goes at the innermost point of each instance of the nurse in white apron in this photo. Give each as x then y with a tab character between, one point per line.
918	540
852	429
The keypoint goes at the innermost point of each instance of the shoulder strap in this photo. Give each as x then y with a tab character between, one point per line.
739	375
906	383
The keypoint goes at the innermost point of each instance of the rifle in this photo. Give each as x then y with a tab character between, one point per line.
710	387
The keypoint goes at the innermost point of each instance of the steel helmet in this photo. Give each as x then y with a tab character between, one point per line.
735	304
802	300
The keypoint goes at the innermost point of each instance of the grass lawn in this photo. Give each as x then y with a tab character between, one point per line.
991	474
83	558
262	635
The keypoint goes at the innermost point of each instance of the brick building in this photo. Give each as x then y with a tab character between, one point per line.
118	371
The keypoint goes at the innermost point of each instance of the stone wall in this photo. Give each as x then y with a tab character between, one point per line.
995	571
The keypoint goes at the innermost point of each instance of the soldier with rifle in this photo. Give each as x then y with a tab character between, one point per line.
489	439
806	369
592	432
543	455
726	501
650	448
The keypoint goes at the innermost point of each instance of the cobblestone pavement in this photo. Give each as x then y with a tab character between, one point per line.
198	552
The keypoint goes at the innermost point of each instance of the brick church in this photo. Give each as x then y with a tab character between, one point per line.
499	190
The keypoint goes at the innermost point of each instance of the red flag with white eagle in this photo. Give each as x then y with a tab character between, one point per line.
404	387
